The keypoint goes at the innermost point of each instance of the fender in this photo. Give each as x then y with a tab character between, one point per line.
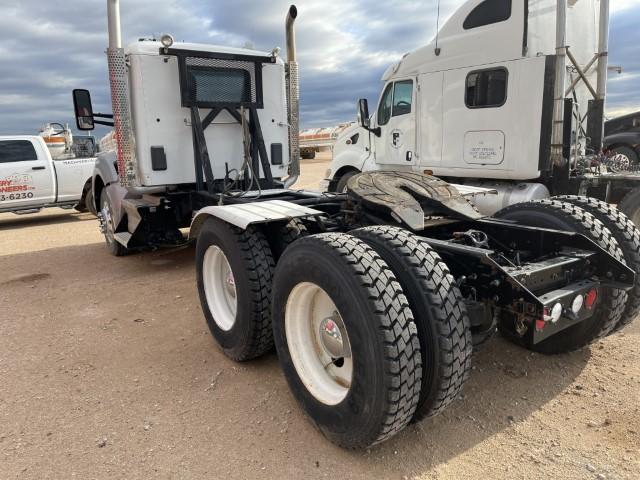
242	215
630	139
105	176
349	155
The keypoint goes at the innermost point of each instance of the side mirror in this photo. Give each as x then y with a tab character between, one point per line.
363	113
83	109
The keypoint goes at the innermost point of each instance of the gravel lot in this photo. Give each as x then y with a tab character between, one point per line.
107	370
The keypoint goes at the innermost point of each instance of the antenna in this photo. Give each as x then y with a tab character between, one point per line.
437	49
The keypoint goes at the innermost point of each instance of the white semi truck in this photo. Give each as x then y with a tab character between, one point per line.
508	95
32	179
373	298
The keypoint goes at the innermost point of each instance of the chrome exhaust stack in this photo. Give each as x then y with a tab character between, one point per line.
119	82
557	146
293	99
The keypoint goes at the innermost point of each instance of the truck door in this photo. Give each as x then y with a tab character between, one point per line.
26	176
396	118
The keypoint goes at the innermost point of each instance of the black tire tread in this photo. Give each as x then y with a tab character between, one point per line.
403	361
628	237
446	306
260	268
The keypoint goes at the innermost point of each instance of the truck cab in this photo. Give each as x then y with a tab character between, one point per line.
30	179
476	104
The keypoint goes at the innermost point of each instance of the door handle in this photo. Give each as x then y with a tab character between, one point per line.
409	156
38	168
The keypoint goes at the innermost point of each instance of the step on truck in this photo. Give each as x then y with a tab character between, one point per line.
373	298
509	95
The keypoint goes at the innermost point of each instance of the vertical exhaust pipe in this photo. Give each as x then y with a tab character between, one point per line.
558	90
597	118
113	19
293	98
603	49
119	82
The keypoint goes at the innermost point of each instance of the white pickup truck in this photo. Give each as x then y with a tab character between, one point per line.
30	179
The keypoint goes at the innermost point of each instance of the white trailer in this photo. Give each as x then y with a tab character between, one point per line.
510	95
373	299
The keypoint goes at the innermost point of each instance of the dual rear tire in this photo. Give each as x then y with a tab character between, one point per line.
341	311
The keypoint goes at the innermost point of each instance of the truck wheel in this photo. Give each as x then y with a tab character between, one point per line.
341	187
308	154
280	237
628	238
109	227
438	309
630	206
611	302
234	270
627	153
346	339
88	202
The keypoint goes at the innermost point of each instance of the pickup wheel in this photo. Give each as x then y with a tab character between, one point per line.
89	202
611	302
109	227
346	339
628	237
234	269
438	309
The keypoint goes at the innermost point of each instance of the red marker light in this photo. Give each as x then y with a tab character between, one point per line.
591	298
540	324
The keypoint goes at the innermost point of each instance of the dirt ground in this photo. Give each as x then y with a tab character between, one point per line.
107	370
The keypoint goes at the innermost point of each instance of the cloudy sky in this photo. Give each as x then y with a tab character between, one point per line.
48	48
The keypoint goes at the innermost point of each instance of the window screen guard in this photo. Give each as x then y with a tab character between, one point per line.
209	80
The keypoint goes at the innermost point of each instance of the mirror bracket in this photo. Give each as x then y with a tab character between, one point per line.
376	131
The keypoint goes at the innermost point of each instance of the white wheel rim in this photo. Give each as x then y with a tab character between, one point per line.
315	333
219	288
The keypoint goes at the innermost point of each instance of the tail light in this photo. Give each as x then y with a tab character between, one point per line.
590	298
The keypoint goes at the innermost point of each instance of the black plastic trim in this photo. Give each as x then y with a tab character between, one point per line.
546	117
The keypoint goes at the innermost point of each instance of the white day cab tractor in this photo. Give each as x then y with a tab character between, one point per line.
373	298
496	101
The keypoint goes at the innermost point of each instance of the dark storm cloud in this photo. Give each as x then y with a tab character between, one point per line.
49	48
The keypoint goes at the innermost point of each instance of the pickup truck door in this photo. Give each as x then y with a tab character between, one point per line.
27	179
396	118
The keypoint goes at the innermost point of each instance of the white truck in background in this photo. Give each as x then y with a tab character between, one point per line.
497	100
31	179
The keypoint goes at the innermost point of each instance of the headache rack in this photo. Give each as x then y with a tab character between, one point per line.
229	82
